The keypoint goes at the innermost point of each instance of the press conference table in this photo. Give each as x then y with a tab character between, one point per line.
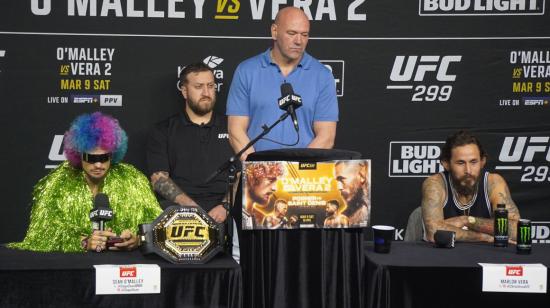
415	274
30	279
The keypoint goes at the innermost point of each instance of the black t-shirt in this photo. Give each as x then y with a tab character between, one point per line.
190	153
481	207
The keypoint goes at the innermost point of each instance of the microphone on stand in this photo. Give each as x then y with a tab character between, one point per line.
289	102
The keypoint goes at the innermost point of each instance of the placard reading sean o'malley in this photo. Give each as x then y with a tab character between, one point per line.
292	195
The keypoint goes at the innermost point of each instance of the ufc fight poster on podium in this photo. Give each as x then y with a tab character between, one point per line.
295	195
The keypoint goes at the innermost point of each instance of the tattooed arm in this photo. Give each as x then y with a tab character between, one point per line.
164	185
498	193
433	197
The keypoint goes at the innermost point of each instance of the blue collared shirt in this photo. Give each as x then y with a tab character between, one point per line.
256	87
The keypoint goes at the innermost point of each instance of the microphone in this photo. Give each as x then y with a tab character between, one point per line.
101	213
289	102
444	239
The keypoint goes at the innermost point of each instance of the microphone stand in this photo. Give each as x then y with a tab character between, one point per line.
231	167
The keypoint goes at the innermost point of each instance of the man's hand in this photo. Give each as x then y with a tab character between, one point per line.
237	127
458	221
218	213
325	133
130	241
484	237
98	240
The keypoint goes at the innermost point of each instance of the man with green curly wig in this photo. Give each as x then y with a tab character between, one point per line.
94	146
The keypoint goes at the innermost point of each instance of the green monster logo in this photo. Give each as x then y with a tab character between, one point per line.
524	234
502	225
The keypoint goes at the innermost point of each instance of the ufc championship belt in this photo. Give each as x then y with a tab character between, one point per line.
182	234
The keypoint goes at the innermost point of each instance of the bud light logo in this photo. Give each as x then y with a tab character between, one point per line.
480	7
414	158
540	232
529	155
128	272
514	271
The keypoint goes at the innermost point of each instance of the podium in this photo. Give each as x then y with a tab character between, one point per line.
301	267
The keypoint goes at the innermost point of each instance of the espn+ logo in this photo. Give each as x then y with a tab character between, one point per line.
429	77
414	158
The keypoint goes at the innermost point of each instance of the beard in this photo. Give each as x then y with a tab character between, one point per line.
356	201
463	186
200	108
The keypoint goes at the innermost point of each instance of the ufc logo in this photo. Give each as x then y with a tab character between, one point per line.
106	213
56	150
126	272
514	271
188	231
419	68
523	149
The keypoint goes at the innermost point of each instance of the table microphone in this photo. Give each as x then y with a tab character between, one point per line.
290	101
101	213
444	239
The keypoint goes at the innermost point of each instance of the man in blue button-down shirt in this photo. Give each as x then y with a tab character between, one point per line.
252	100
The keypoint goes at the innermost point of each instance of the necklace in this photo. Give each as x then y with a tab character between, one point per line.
463	207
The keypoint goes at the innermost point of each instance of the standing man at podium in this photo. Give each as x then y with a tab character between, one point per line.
255	89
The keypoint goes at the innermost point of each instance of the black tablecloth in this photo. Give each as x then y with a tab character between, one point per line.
418	275
30	279
301	268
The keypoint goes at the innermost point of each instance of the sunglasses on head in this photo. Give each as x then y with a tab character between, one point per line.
96	158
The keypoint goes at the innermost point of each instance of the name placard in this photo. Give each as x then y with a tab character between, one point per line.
127	279
514	278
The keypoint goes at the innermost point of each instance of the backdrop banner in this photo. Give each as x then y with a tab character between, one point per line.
408	73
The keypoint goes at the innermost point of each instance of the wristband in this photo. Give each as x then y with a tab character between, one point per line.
84	243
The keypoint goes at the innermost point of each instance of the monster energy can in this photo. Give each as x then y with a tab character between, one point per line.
524	237
501	226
